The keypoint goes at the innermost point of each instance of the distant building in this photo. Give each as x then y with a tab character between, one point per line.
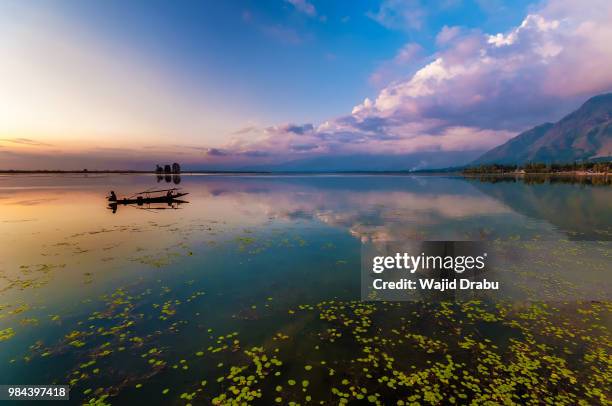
176	168
167	169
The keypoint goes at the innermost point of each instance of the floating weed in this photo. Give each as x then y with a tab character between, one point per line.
244	242
280	336
158	261
28	321
6	334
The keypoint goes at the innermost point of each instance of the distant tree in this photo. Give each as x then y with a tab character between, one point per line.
176	168
158	169
604	167
167	169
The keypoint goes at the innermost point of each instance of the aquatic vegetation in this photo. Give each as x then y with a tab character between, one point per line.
394	357
245	242
30	276
6	334
159	260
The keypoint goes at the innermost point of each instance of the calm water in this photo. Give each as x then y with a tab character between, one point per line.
250	291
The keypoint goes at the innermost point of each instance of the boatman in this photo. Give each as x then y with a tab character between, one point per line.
112	197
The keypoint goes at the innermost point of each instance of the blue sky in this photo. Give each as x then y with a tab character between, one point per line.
266	53
247	82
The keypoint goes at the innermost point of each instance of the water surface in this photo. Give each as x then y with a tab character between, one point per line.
250	292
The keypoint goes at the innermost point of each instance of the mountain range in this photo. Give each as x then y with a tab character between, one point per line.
584	134
375	163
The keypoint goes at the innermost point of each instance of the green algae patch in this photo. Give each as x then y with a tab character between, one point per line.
7	334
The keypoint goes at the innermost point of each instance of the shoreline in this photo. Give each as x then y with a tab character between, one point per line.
122	172
420	173
523	174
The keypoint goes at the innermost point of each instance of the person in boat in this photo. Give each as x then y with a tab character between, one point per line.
112	197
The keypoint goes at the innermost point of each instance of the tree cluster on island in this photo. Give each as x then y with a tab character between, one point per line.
174	168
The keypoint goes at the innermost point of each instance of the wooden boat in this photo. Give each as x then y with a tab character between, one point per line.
142	200
148	196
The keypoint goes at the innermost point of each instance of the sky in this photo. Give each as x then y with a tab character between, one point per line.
253	84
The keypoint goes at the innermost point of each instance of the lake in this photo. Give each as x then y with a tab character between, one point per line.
250	291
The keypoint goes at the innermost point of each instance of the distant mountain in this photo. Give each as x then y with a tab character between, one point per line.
371	162
582	135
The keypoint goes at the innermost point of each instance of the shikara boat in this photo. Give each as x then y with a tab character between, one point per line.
149	196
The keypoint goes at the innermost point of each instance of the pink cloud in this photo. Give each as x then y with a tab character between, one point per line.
447	34
406	58
408	53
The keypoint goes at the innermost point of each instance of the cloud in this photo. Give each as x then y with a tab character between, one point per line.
298	129
400	14
447	34
245	130
216	152
507	80
255	154
303	6
278	31
25	141
304	147
478	90
281	32
408	53
404	60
